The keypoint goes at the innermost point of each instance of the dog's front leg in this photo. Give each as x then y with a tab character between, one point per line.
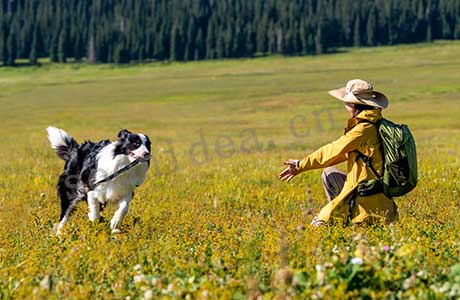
120	213
94	208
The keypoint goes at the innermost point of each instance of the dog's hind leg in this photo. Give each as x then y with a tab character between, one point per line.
69	199
65	215
120	213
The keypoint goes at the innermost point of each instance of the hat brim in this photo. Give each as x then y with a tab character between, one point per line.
377	100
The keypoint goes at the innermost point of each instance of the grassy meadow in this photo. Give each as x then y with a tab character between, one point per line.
212	220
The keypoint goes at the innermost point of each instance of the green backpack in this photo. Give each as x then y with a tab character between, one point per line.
400	173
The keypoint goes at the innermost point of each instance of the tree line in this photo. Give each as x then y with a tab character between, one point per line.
122	31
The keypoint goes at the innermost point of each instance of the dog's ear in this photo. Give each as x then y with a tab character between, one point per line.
123	135
148	143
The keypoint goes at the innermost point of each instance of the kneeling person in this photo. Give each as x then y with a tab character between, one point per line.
361	139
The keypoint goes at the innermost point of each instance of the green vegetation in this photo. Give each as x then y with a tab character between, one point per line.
184	30
212	220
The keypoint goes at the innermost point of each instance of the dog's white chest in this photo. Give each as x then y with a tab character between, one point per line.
122	185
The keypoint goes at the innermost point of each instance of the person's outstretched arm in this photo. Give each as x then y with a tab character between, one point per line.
328	155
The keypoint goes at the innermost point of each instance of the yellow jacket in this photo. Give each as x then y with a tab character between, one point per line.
363	137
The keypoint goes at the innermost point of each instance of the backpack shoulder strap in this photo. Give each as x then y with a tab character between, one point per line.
367	161
365	158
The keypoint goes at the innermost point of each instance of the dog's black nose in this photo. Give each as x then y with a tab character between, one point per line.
145	154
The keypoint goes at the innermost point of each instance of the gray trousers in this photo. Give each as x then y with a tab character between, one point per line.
333	181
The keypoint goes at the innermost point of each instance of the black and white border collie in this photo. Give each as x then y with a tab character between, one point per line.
91	162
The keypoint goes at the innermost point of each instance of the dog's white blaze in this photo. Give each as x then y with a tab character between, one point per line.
143	138
57	137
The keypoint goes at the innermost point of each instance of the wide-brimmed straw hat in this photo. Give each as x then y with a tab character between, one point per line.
360	92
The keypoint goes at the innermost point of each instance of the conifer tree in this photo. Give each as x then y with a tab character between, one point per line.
121	55
176	47
11	45
62	46
319	40
209	29
3	38
211	41
53	49
91	49
35	47
370	28
200	50
357	33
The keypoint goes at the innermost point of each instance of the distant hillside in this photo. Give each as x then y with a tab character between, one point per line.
136	30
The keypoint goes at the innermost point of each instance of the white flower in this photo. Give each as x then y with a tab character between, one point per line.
409	282
154	281
45	283
320	274
139	278
137	268
148	295
357	261
335	249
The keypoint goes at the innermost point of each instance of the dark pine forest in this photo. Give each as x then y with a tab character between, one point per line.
123	31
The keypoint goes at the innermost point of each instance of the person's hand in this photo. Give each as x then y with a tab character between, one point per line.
291	171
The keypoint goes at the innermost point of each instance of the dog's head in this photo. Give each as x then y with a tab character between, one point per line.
135	146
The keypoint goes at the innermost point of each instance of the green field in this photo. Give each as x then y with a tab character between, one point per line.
212	221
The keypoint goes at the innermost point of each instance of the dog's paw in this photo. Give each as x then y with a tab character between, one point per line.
58	229
58	233
116	231
93	217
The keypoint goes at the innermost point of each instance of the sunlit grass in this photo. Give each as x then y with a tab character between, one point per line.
212	220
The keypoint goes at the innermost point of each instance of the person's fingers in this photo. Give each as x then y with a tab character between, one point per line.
284	172
285	177
290	177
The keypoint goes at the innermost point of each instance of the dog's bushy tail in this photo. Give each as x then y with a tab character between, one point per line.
61	142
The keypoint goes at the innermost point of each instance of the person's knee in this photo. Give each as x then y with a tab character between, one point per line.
326	172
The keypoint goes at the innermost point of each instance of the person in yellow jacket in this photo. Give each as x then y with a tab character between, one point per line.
361	138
